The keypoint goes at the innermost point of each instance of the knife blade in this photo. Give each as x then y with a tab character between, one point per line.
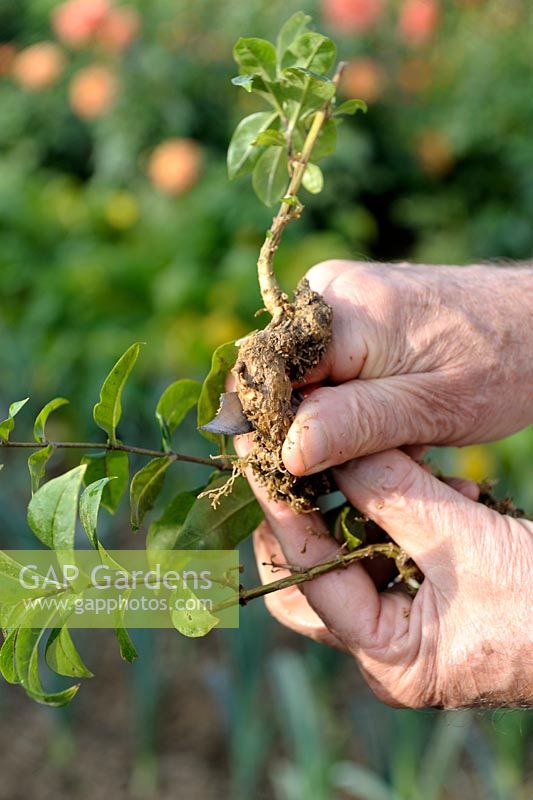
230	419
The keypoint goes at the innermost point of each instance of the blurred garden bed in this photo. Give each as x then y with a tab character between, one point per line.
118	224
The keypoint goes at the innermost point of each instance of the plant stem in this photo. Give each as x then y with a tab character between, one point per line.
273	298
126	448
303	574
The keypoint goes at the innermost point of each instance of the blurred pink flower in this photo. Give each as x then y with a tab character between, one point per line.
418	20
76	21
352	16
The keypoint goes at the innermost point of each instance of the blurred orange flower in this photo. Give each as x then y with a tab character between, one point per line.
435	153
418	20
414	75
39	66
352	16
93	91
7	56
77	21
174	166
364	78
119	28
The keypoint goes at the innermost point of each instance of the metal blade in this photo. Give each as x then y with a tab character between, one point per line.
230	419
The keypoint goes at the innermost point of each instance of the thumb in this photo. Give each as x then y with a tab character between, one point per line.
431	521
338	423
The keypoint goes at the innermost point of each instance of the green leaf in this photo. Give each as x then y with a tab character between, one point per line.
352	528
270	137
11	591
255	79
8	566
37	464
304	94
8	424
242	153
292	200
108	411
39	426
236	516
89	506
255	83
353	780
222	362
163	532
15	407
443	753
327	141
316	76
27	667
291	30
174	404
195	623
52	510
145	488
127	648
7	658
246	81
351	107
318	94
256	56
7	611
313	179
54	699
109	464
128	651
313	51
90	502
62	657
271	175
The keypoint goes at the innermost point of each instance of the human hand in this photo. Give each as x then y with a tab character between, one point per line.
419	355
465	639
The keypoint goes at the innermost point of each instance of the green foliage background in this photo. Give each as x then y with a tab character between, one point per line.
94	257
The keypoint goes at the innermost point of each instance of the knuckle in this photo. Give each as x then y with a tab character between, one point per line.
400	477
321	274
372	417
427	408
279	514
356	423
341	410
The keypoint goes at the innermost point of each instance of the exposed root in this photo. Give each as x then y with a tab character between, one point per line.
505	506
215	495
268	363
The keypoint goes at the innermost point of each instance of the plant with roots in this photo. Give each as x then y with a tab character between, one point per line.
297	80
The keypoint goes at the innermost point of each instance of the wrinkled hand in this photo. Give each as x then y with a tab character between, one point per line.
442	355
467	636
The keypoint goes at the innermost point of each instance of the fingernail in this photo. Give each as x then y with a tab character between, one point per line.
307	446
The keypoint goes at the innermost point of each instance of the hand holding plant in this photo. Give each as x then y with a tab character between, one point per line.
309	338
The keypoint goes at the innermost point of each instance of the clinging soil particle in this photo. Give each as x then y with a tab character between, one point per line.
269	362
